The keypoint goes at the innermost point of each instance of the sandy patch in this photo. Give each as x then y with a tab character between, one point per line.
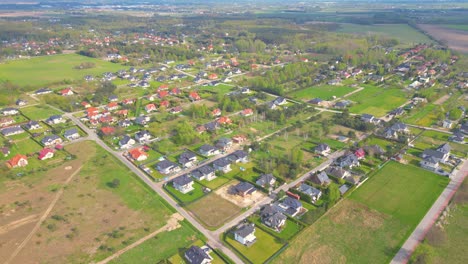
227	193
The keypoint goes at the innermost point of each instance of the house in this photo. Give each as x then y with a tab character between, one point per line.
43	91
85	104
348	160
55	119
51	140
457	137
322	149
211	126
113	98
138	154
187	159
360	153
204	173
244	188
5	151
66	92
112	106
183	183
196	255
337	172
290	206
320	178
224	144
212	76
370	119
20	102
71	134
397	112
46	153
10	131
222	164
341	104
122	113
164	104
150	108
310	191
464	128
430	163
447	123
107	131
143	136
245	234
17	161
316	101
176	110
208	150
167	167
343	189
216	112
224	120
266	180
6	121
162	94
126	142
194	96
142	120
280	101
238	156
7	111
272	217
247	112
238	139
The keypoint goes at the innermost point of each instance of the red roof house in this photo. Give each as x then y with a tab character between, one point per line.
224	120
360	153
216	112
106	131
162	94
46	153
112	106
194	96
150	108
213	76
164	103
66	92
17	161
247	112
85	104
138	155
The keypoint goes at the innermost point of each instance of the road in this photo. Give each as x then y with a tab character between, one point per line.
430	128
431	216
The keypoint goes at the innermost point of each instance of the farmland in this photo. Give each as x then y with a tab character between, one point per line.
370	226
325	92
376	101
456	39
50	69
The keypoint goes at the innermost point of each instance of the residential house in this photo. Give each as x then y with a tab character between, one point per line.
457	137
143	136
17	161
204	173
187	159
216	112
10	131
112	106
430	163
280	101
441	154
51	140
122	113
320	178
55	119
360	153
238	156
71	134
176	110
290	206
224	120
266	180
244	188
245	234
142	120
5	151
167	167
310	191
343	189
316	101
208	150
211	126
222	164
66	92
43	91
194	96
447	123
20	102
107	131
322	149
126	142
150	108
370	119
247	112
196	255
337	172
464	128
224	144
7	111
183	183
6	121
124	123
113	98
46	153
272	217
164	104
348	160
138	154
85	104
238	139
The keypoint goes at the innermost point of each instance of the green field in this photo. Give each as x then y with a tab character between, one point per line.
185	197
44	70
404	33
265	246
371	225
376	100
220	88
325	92
39	112
290	229
160	247
425	116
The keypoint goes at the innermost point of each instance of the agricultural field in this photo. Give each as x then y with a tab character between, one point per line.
376	100
265	246
45	70
455	38
325	92
101	208
371	225
404	33
213	210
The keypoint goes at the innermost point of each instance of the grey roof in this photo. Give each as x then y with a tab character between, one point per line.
211	126
43	90
244	187
125	140
291	203
238	154
265	179
11	130
336	172
322	147
70	132
315	101
202	171
53	117
196	255
444	148
31	124
367	117
49	138
165	164
309	190
245	230
399	127
276	219
207	148
347	160
187	155
7	109
224	141
182	180
433	153
222	162
431	159
269	210
320	178
279	100
142	133
343	189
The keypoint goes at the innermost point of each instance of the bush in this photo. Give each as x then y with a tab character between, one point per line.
115	183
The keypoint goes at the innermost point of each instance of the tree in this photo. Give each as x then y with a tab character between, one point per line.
184	134
297	155
115	183
333	194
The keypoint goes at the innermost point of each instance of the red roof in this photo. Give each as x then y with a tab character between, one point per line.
213	76
137	153
164	87
66	91
247	111
224	120
360	153
175	91
92	110
164	104
150	107
216	112
107	130
122	112
194	96
162	94
43	153
17	160
85	104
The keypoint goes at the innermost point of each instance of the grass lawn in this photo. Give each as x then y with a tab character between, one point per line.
220	88
325	92
213	210
160	247
380	142
215	183
39	112
44	70
433	140
265	246
24	146
187	197
425	116
289	230
376	100
405	192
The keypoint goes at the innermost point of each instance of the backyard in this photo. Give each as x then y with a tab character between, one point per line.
376	100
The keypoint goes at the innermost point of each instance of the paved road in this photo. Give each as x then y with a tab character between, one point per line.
430	128
431	216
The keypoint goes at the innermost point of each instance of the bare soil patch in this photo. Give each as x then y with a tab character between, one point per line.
442	99
213	210
227	193
455	39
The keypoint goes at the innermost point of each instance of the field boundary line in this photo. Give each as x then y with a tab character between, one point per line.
43	217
